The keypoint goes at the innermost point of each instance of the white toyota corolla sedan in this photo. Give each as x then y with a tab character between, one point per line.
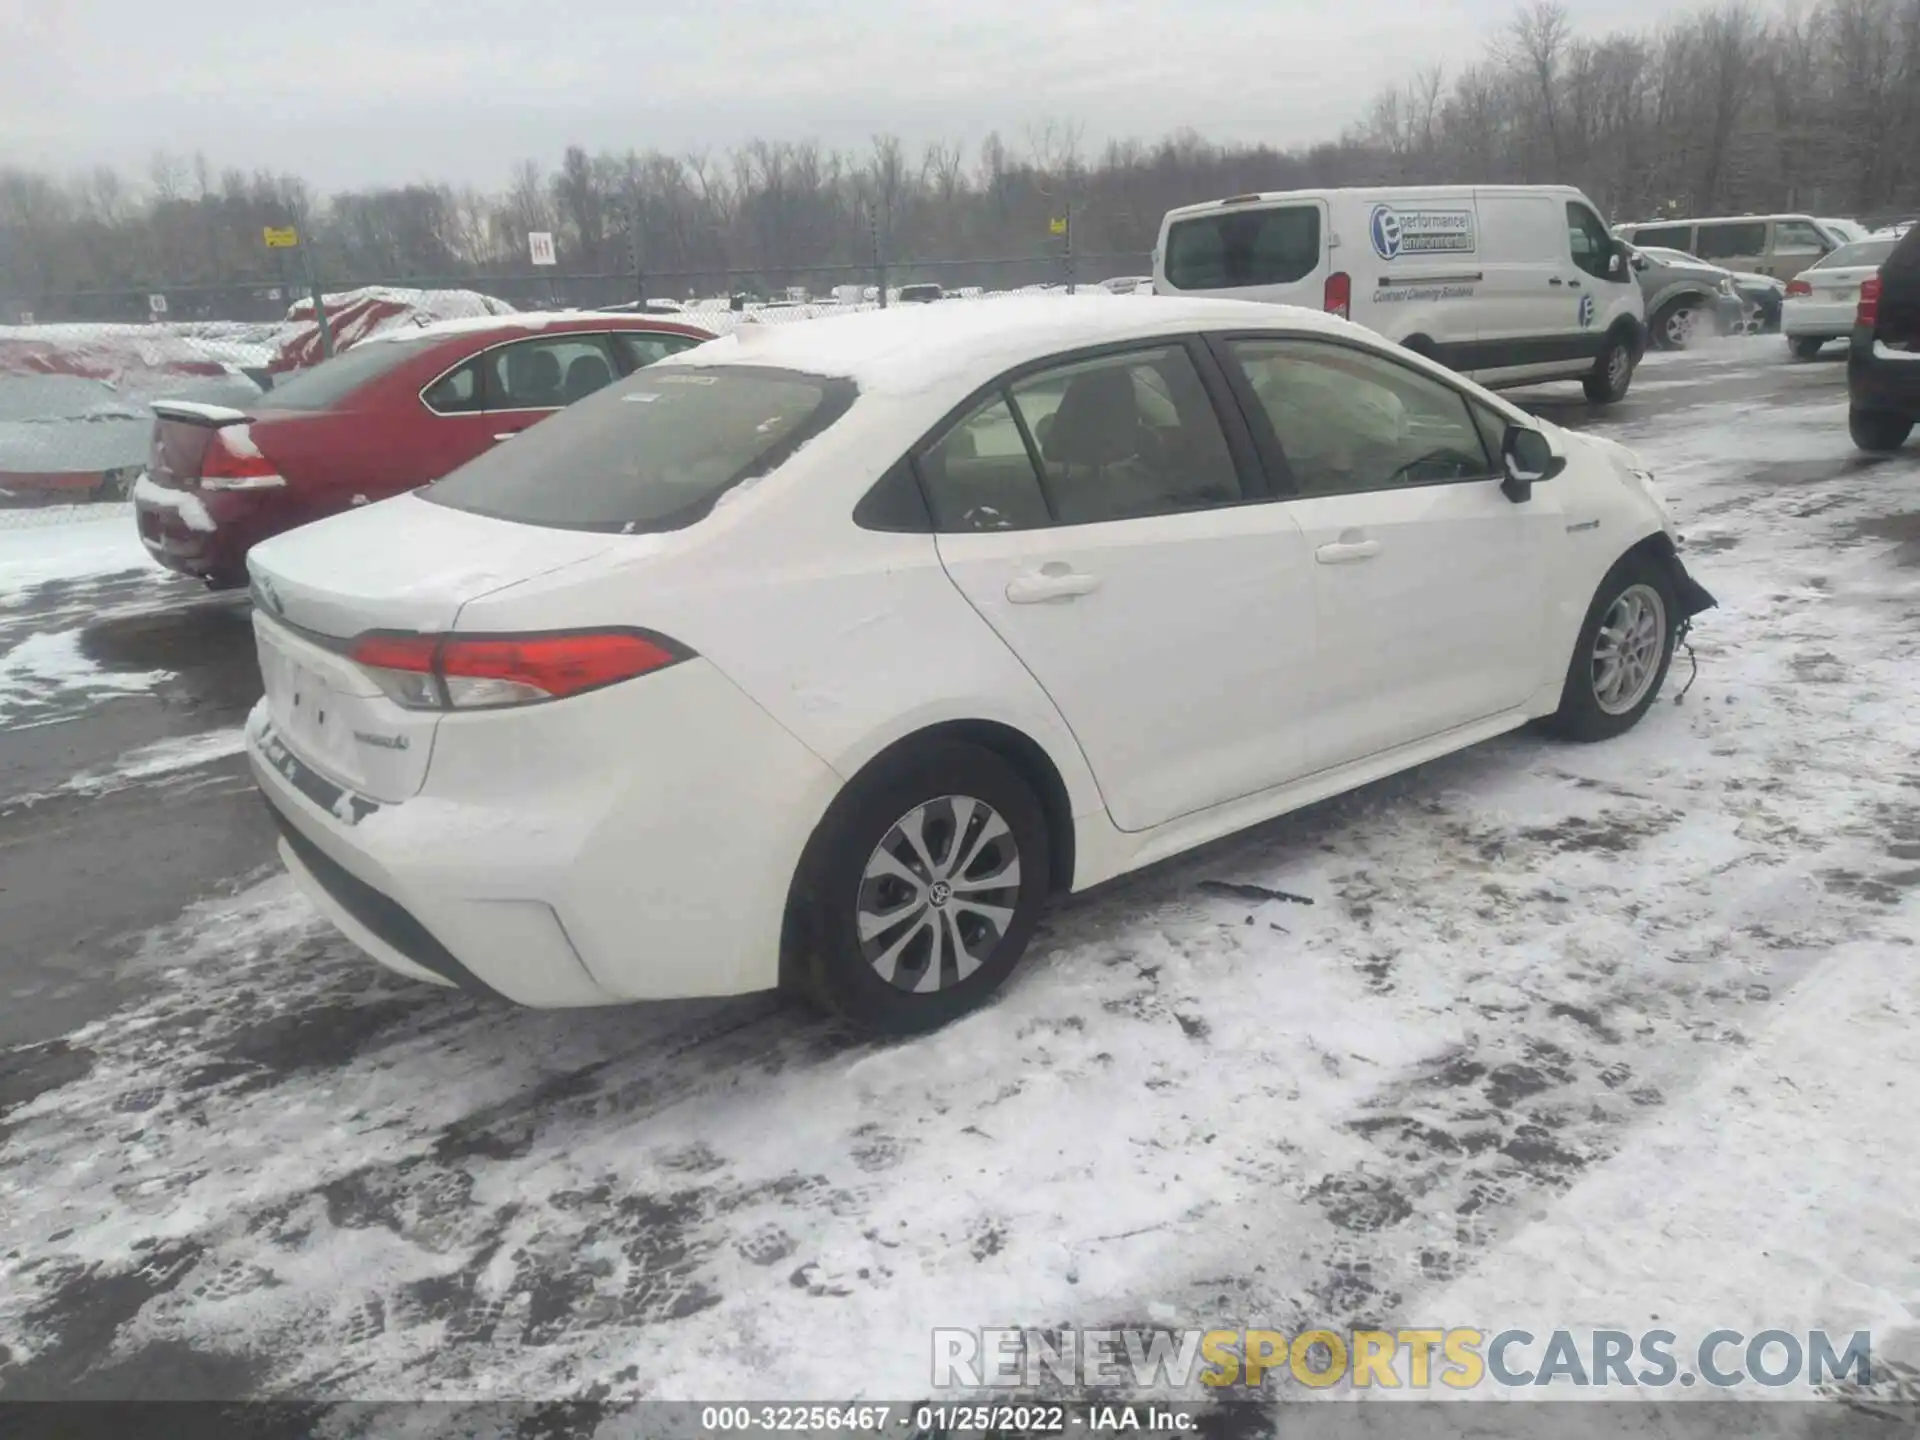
822	654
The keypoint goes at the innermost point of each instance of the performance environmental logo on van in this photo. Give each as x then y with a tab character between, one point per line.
1420	232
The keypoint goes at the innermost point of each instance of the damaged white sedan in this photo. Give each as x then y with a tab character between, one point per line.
821	655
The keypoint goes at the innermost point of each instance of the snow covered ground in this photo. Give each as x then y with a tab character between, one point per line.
1565	1038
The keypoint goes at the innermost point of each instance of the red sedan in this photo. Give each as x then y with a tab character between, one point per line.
394	412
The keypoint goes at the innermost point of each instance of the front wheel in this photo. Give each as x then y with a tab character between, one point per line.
1621	657
922	888
1612	372
1877	432
1674	326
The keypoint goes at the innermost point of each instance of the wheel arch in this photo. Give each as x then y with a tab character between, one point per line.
1029	760
1634	331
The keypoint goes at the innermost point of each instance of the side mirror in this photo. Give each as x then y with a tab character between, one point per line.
1527	458
1641	263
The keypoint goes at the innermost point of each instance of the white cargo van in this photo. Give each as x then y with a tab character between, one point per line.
1508	284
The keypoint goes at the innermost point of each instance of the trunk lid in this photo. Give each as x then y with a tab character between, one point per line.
402	564
182	431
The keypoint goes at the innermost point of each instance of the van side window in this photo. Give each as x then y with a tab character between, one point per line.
1666	237
1349	421
1798	237
1592	245
1274	246
1734	239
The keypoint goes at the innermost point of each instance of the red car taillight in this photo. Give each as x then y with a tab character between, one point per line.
1799	287
1339	295
477	672
1867	312
233	462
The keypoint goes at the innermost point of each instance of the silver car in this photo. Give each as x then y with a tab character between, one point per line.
1685	297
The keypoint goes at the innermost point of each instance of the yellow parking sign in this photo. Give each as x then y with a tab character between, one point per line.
281	238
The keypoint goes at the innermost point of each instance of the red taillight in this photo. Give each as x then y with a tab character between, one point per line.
1867	312
1799	287
1339	296
469	672
233	462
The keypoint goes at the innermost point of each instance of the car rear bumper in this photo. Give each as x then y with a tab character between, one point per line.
206	534
1828	319
1881	379
634	843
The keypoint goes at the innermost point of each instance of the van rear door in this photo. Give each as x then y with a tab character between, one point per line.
1248	249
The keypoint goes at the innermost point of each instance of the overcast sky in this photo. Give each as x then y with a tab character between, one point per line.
360	92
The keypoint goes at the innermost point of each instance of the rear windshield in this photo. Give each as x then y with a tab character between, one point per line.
1237	248
1860	252
652	453
331	381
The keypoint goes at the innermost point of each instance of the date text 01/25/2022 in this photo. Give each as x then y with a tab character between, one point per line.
941	1420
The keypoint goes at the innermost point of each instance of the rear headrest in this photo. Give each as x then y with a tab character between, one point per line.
585	375
1098	422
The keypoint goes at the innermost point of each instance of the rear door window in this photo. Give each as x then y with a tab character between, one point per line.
652	453
980	475
545	373
1127	436
1732	239
1237	248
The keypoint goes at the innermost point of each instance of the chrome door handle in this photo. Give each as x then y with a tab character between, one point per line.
1345	552
1038	586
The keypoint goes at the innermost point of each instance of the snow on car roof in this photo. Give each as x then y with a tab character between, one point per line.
524	320
910	347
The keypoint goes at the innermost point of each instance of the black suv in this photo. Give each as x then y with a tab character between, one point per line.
1883	360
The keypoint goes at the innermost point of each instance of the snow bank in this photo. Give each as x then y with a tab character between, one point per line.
71	543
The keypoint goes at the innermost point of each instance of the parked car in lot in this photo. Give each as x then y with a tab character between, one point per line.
1776	245
1883	352
1685	297
396	411
1821	300
66	437
1508	284
824	654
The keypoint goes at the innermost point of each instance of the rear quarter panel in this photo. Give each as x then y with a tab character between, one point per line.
852	639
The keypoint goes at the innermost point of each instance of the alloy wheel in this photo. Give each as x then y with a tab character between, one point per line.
1627	651
938	894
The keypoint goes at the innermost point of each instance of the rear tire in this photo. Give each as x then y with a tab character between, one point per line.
921	889
1805	347
1613	677
1612	372
1878	432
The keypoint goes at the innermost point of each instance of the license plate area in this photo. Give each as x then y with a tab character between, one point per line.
329	714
